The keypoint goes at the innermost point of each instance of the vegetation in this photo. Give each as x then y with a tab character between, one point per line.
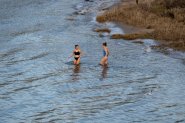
131	36
103	30
166	17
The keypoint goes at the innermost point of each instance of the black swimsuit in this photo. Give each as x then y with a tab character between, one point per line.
78	54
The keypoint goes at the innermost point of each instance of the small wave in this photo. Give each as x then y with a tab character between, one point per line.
24	88
38	56
25	32
17	90
43	113
10	52
22	60
4	84
180	121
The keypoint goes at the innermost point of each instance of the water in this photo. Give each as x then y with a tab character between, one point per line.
39	84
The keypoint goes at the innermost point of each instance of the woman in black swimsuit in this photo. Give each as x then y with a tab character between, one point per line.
76	53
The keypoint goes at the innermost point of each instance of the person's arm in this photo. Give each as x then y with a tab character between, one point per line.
82	53
71	55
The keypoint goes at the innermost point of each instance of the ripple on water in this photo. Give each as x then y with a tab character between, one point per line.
10	52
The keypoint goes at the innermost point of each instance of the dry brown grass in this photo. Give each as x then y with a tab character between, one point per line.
165	18
130	36
103	30
101	18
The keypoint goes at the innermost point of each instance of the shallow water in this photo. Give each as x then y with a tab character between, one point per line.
39	84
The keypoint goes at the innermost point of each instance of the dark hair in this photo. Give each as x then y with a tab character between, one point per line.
76	45
104	44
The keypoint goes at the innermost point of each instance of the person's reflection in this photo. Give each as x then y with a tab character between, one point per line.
76	71
104	72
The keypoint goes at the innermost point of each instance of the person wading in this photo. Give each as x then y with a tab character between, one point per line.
77	54
104	60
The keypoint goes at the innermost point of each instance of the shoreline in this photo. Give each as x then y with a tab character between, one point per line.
139	30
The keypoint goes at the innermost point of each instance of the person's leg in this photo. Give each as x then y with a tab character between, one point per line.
74	62
106	61
78	61
102	62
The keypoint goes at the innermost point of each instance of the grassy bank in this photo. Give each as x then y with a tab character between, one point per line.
166	17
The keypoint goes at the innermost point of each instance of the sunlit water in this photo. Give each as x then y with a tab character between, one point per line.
39	84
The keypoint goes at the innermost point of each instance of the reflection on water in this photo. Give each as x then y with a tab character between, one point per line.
104	72
76	70
37	85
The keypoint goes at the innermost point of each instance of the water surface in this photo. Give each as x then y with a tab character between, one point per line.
39	84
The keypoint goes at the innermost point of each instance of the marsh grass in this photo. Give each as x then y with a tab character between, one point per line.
103	30
165	17
131	36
